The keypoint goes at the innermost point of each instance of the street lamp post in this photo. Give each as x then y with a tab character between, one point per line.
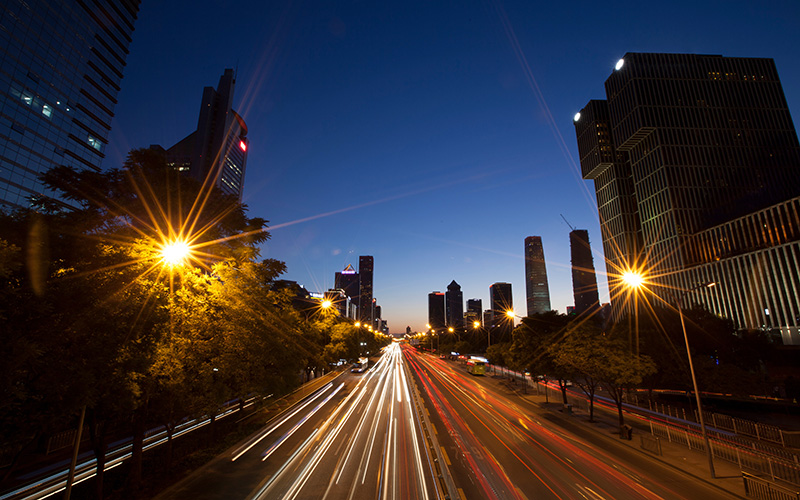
679	303
636	280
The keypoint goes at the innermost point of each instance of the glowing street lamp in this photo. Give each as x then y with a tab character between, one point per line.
634	281
175	253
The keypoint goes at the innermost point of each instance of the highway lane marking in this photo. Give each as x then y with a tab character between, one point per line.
342	444
461	494
446	458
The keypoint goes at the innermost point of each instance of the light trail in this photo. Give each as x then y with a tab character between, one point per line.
299	424
464	439
266	487
369	430
248	446
509	418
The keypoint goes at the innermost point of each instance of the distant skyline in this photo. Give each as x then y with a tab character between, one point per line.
433	138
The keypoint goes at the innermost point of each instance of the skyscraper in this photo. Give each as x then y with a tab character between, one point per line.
61	68
695	160
365	266
474	312
501	302
537	292
584	280
455	305
436	310
347	280
216	152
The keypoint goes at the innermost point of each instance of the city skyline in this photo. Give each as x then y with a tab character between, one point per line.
369	124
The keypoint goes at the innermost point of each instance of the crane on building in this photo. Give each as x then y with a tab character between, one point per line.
565	220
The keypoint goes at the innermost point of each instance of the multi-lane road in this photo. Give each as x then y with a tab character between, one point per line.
360	436
507	449
418	427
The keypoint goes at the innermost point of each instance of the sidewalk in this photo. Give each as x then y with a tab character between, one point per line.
692	463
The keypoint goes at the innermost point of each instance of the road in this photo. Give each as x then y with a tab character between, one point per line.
503	448
357	437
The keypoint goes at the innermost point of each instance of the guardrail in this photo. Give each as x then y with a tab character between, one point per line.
650	443
752	460
87	465
761	489
740	426
445	486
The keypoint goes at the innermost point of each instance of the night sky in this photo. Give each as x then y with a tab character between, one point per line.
432	135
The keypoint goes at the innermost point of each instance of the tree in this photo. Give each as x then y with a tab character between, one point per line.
530	349
89	286
720	354
620	369
577	354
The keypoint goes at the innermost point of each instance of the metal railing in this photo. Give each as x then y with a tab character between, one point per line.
650	443
761	489
752	460
739	426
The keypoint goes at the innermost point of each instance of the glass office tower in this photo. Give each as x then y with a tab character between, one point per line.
696	165
61	67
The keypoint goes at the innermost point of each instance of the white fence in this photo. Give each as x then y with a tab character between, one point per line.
751	460
740	426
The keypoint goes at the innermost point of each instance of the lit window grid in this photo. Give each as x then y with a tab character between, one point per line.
45	55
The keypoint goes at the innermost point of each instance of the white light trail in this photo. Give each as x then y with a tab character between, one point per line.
291	431
248	447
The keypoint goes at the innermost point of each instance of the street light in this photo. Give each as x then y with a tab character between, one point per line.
174	253
477	325
679	302
635	281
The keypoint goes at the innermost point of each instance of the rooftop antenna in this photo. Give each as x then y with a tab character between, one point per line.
565	220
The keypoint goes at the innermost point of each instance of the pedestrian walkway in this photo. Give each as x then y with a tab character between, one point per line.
692	463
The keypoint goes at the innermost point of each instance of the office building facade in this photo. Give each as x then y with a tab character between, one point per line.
61	66
347	280
501	302
474	312
537	292
584	279
695	160
365	302
216	152
436	314
454	300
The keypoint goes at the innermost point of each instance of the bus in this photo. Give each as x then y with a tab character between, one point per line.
361	366
476	365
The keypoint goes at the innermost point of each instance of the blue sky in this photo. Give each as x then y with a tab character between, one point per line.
433	135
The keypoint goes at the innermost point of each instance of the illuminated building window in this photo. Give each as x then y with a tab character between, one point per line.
95	143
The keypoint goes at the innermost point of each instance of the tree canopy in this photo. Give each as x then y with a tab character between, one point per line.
94	315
